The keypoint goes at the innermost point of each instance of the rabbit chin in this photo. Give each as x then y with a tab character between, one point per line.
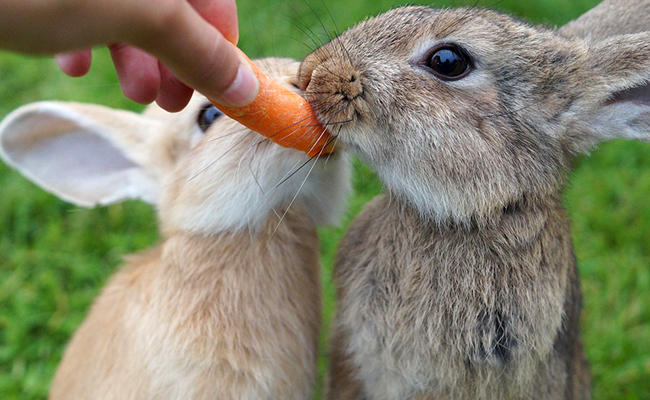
442	200
436	198
437	201
242	192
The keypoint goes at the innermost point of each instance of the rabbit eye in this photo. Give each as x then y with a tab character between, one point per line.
449	63
207	116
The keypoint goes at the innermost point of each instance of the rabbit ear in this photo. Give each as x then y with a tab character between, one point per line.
622	88
87	155
609	18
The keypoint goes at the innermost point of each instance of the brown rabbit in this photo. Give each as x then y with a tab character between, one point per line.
460	282
228	306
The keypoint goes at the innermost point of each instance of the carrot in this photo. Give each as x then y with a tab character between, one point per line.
282	116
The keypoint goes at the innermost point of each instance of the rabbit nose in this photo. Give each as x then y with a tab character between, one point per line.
332	80
335	88
352	88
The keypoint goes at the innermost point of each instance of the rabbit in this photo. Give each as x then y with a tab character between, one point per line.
460	281
228	305
609	18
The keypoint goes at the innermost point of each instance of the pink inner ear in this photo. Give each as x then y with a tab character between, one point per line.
639	94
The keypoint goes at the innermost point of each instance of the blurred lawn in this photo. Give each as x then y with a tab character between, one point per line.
55	257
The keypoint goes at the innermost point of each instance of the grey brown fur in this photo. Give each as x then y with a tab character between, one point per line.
611	17
460	282
439	312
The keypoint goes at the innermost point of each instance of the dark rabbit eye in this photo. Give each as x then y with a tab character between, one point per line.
449	63
207	116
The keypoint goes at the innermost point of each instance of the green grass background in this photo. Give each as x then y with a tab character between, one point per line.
55	257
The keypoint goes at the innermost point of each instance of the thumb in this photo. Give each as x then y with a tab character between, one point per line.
199	55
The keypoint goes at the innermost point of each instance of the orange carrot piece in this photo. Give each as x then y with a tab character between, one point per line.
282	116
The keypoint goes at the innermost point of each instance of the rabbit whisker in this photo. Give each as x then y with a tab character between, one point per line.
309	35
309	48
292	126
491	5
293	199
335	139
337	34
338	123
305	27
301	126
320	21
320	136
292	172
220	157
223	136
315	158
250	147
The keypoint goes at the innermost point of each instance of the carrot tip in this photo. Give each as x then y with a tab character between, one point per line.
281	115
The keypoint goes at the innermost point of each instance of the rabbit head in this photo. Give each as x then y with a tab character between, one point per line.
203	171
465	113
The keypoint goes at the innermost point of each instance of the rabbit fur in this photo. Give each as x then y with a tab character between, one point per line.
228	306
460	282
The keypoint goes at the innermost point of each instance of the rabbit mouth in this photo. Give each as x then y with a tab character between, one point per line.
338	113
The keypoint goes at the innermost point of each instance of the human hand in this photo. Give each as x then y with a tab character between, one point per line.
163	46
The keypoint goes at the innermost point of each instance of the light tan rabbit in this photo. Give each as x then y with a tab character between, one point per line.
460	282
228	306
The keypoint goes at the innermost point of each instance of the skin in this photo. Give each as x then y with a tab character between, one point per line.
154	44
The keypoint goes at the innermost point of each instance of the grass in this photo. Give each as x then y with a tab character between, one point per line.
54	257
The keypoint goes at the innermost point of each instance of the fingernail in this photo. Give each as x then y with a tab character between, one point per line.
243	90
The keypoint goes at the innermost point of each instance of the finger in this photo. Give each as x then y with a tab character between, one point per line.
222	14
75	64
201	58
137	72
174	94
